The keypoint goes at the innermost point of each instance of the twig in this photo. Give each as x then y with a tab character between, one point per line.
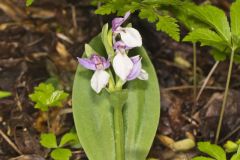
65	111
10	142
185	87
206	80
194	76
75	26
230	134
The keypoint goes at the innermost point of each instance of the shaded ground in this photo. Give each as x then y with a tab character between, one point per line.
42	41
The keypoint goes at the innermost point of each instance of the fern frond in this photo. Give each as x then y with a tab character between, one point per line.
169	25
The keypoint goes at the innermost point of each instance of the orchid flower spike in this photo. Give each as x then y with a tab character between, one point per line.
98	64
130	36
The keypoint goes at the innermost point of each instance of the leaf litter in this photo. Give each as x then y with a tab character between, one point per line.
40	42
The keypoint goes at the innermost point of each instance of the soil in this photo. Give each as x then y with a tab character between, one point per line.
43	41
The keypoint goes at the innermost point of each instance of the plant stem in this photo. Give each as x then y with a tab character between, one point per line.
119	132
225	97
194	75
206	80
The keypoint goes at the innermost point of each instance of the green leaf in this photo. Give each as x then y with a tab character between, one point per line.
148	14
218	55
93	113
235	18
132	7
212	150
237	155
46	96
184	15
48	140
214	17
163	2
29	2
69	138
107	41
168	25
106	9
202	158
236	42
4	94
61	154
230	146
206	37
89	50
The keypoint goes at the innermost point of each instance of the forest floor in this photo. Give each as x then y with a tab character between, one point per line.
43	41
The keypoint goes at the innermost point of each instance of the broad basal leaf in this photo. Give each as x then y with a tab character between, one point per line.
93	113
169	25
212	150
214	17
235	18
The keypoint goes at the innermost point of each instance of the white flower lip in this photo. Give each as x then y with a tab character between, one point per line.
100	77
131	37
99	80
122	65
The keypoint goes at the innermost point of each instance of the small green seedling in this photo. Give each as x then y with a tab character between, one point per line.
233	147
216	152
4	94
46	96
213	150
49	140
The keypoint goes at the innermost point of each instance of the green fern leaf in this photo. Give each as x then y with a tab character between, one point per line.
163	2
148	14
107	8
168	25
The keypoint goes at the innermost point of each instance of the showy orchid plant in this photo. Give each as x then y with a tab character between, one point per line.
116	112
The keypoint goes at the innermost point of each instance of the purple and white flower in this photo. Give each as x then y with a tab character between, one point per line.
137	71
127	68
98	64
130	36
